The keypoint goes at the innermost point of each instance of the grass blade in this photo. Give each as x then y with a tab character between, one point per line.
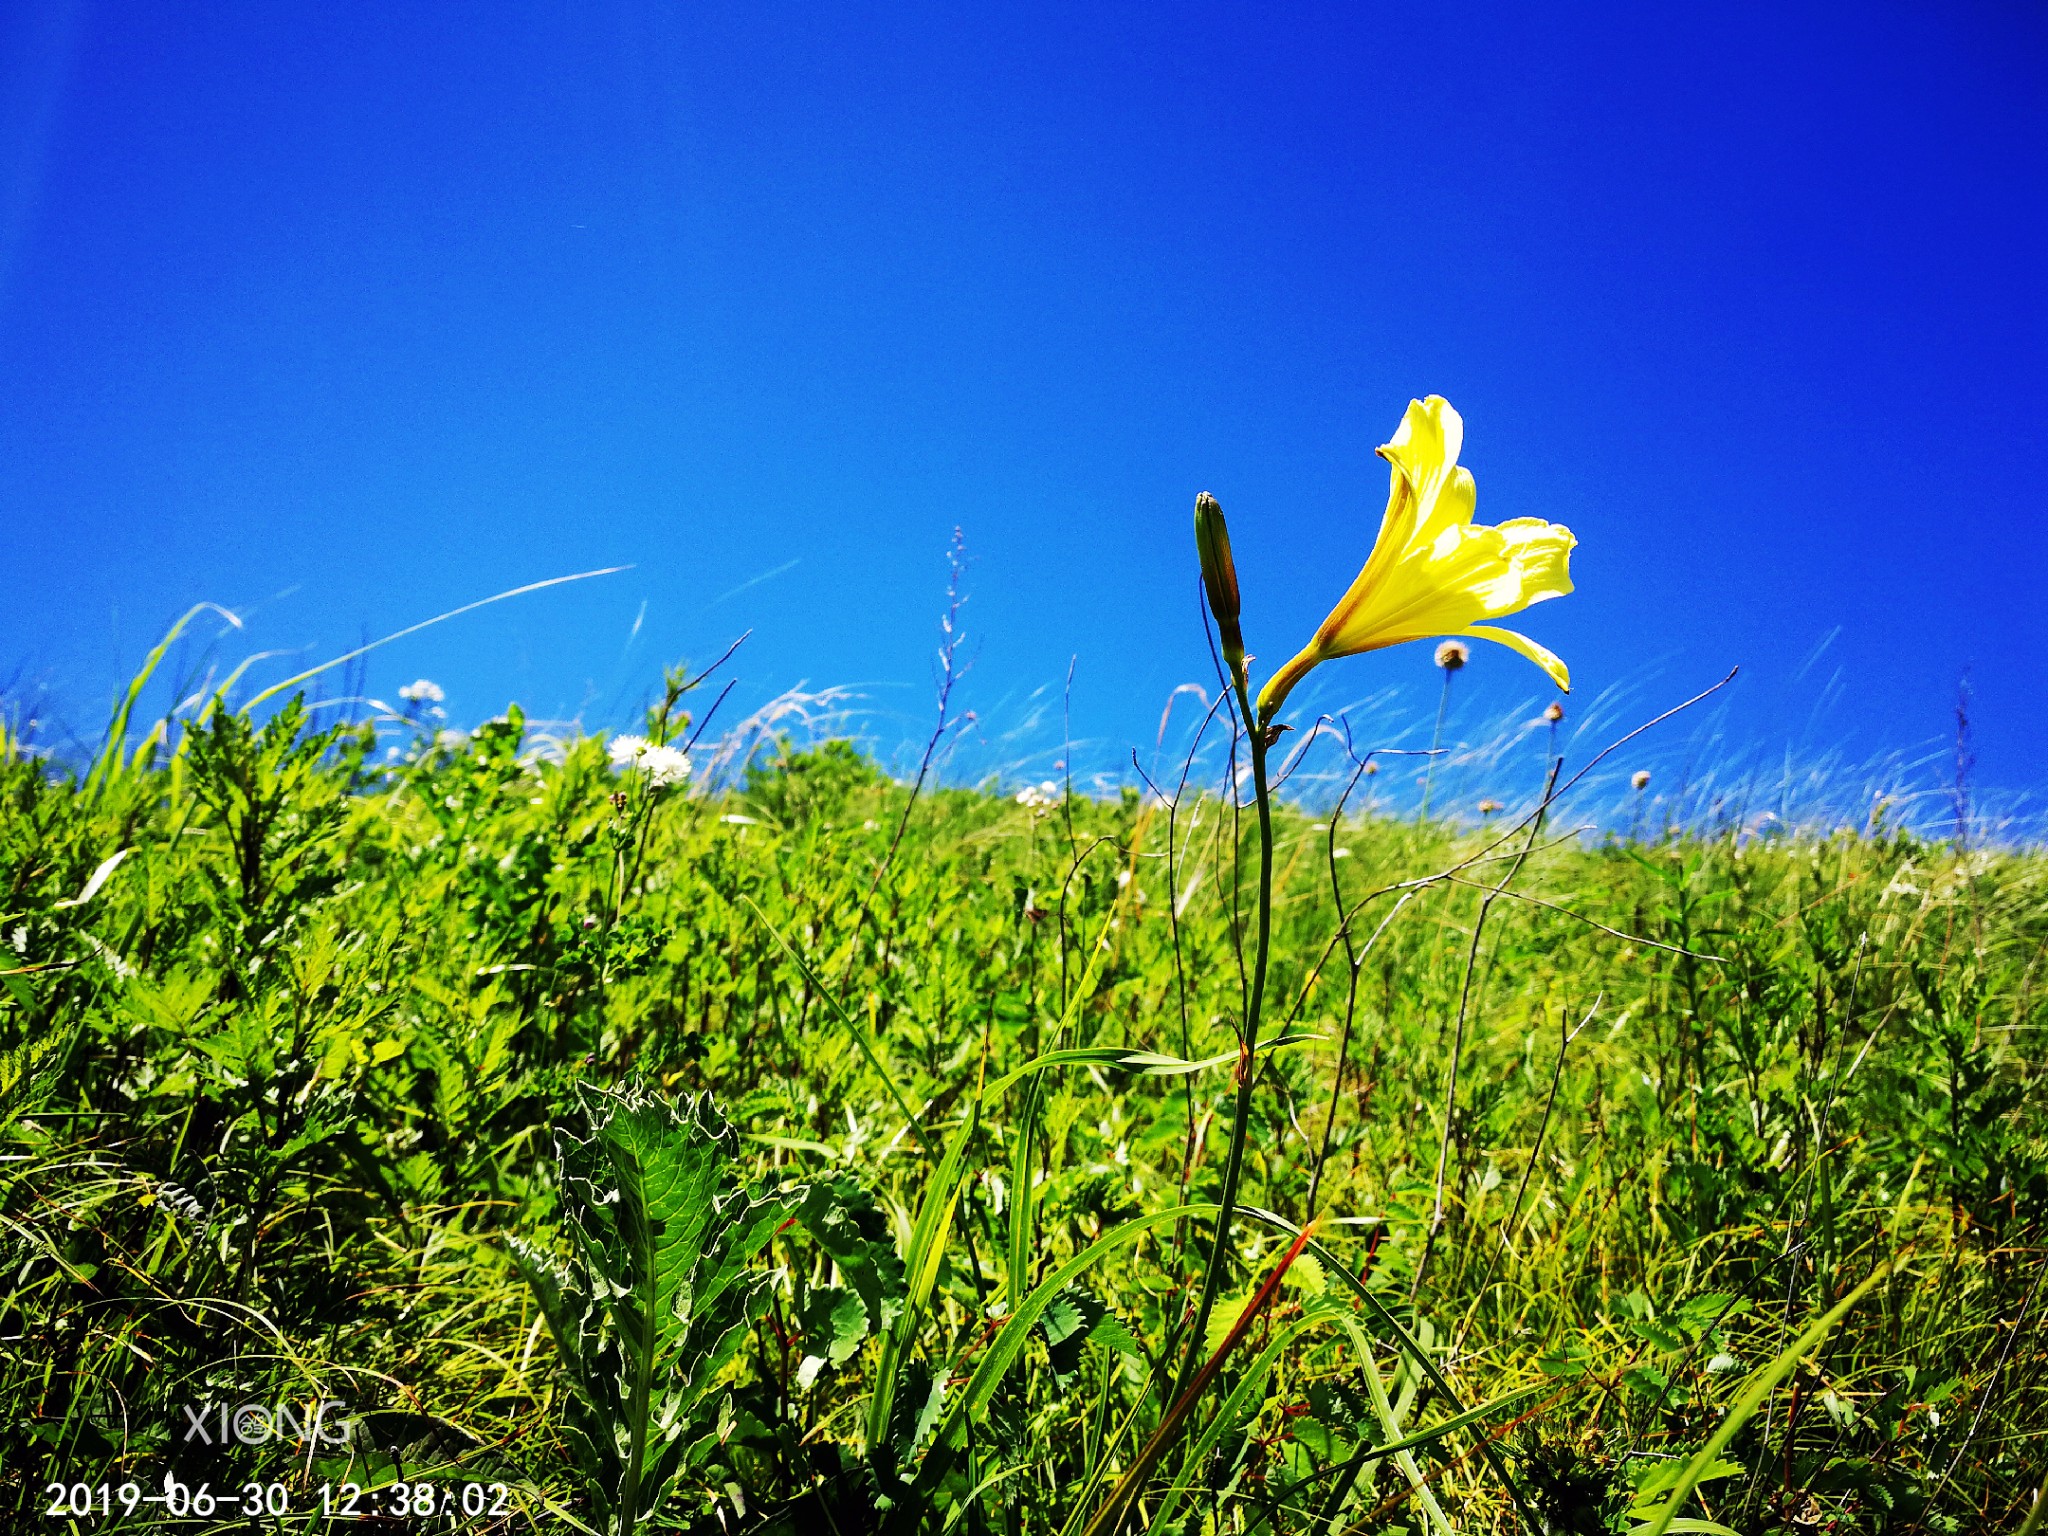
1749	1400
1110	1516
1008	1346
1336	1266
921	1268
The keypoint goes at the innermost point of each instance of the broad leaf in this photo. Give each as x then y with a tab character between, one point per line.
660	1290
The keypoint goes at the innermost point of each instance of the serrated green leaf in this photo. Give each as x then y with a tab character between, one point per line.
1670	1340
835	1323
843	1219
1570	1358
1222	1319
1646	1381
1066	1326
661	1289
920	1400
1701	1311
1111	1333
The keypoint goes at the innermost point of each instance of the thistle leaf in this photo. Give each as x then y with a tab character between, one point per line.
661	1289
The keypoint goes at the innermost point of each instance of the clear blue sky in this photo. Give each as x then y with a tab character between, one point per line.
343	315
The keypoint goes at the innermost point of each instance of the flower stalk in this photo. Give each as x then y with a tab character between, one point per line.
1432	572
1219	574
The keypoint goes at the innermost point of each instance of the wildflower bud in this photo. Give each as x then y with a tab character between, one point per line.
1453	654
1554	713
1219	579
1640	779
1488	807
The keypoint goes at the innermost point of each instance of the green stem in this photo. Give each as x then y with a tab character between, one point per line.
1247	1069
1436	738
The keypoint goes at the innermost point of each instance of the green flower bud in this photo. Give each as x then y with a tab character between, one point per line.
1219	579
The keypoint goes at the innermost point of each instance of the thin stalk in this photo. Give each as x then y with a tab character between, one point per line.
1355	959
1110	1517
1436	738
1247	1065
1507	1226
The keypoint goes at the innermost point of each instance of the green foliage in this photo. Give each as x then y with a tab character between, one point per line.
297	1037
659	1291
1575	1493
809	790
834	1320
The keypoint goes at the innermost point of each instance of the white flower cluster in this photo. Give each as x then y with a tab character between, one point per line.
662	765
423	692
1039	797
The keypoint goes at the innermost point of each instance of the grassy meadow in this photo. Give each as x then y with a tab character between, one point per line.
815	1155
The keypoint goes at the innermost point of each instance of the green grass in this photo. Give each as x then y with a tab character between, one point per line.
279	1092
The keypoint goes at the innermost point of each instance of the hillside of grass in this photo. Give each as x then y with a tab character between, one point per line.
292	1031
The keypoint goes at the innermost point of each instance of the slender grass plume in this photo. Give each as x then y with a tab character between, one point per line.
1451	657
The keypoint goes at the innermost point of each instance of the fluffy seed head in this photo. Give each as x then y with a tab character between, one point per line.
1640	779
1554	713
1453	654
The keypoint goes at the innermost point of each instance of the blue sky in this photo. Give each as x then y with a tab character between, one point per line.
342	316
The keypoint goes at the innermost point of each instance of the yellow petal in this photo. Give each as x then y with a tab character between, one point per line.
1541	553
1462	577
1424	450
1452	506
1397	527
1548	660
1426	443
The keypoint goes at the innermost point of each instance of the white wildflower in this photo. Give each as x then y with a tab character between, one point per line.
1038	797
423	692
666	765
662	765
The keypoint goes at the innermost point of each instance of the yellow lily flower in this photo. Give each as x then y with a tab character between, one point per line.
1432	571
